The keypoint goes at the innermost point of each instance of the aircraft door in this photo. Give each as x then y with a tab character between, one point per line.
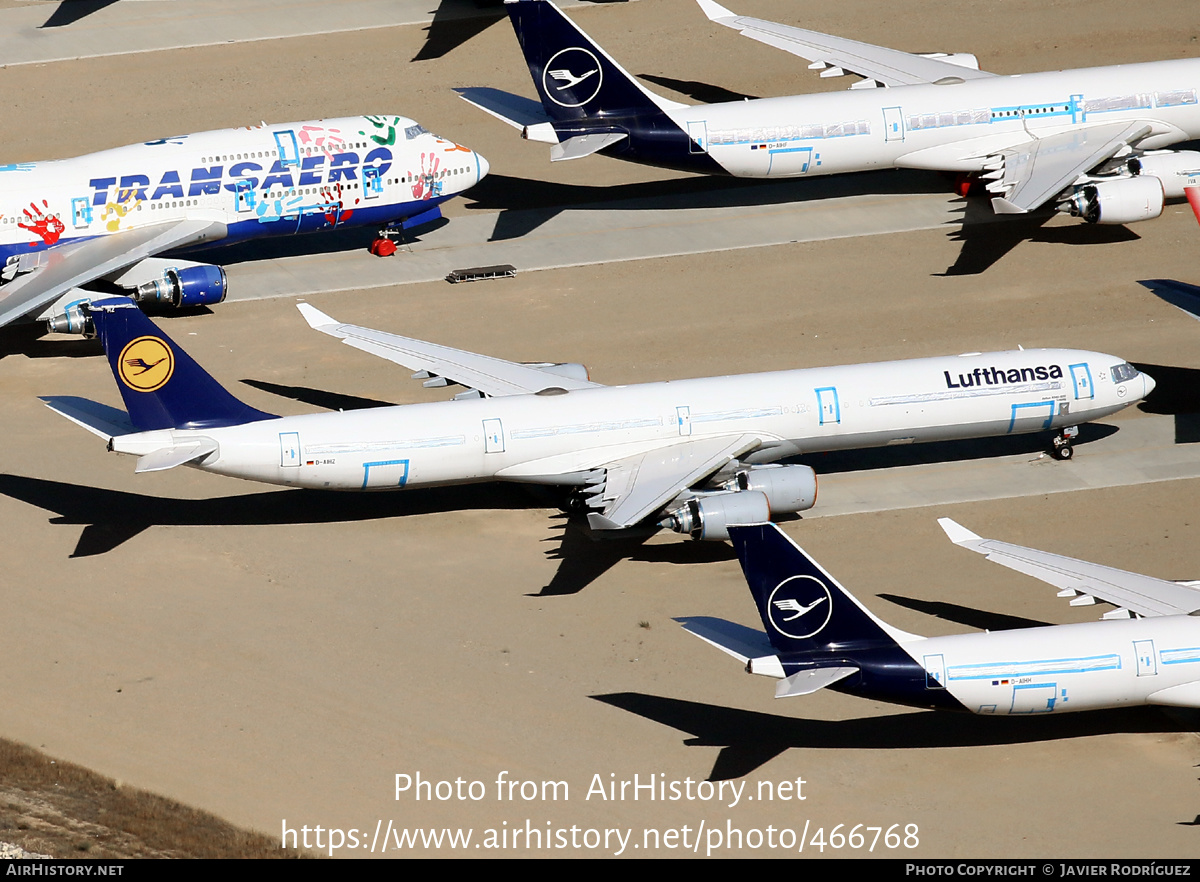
289	151
372	182
790	161
1031	416
289	449
81	211
1147	665
1034	698
493	436
1081	376
829	409
386	474
244	194
683	419
935	672
698	133
893	124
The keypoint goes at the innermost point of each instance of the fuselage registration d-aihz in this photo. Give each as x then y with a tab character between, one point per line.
68	222
691	455
1087	141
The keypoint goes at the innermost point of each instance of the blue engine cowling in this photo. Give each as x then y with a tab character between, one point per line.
189	286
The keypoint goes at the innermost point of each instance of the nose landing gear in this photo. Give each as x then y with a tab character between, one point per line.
1063	441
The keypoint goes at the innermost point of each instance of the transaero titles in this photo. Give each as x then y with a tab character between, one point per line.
994	376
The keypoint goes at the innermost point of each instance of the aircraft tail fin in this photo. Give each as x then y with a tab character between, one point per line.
802	606
574	77
162	386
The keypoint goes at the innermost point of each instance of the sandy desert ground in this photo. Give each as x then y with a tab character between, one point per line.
278	657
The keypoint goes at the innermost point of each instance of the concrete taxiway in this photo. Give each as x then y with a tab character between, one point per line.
279	657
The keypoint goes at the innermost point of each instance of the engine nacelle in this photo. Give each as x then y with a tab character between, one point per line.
1121	201
571	370
708	517
189	286
73	321
788	488
1173	168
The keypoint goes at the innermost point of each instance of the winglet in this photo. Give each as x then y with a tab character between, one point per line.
318	320
957	533
715	11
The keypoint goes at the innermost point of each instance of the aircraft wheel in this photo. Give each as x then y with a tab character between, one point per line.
1064	453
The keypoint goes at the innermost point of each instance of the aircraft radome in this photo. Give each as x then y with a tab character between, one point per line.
691	455
819	635
1087	141
68	222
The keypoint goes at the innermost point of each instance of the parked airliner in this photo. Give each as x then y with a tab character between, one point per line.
68	222
1086	141
691	455
819	635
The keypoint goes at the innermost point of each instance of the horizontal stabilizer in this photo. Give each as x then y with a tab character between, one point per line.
808	682
737	640
170	457
584	145
99	419
515	110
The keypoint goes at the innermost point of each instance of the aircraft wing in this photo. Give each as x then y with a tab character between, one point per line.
76	263
1086	582
637	486
1035	172
437	364
835	56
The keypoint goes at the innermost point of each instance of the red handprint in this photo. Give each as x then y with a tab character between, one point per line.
48	227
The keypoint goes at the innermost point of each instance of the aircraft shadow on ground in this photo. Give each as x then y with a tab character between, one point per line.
1177	394
945	451
112	517
705	93
70	11
457	21
964	615
318	397
748	739
986	237
526	204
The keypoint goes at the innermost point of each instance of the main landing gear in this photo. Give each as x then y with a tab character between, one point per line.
384	244
1063	441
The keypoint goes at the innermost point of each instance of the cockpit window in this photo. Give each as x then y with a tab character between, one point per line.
1123	373
415	131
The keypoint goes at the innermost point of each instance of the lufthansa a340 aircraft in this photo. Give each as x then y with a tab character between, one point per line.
69	222
1087	141
819	635
691	455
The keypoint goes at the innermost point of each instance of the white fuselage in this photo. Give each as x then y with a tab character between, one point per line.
952	127
259	180
554	437
1067	667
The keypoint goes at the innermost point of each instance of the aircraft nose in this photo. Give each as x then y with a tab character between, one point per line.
484	167
1149	384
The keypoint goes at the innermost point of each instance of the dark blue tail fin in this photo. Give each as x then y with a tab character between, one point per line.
575	78
803	607
162	386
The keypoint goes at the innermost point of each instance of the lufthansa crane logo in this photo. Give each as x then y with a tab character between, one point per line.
800	607
145	364
572	77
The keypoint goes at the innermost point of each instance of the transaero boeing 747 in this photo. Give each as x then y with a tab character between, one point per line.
69	222
690	455
1087	141
818	635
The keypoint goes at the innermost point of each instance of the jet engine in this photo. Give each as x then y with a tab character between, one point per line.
1119	201
707	517
1171	167
749	497
198	285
